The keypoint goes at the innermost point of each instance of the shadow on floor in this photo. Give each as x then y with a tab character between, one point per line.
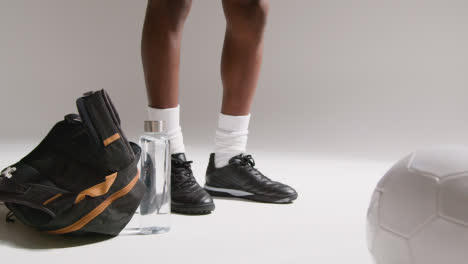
15	234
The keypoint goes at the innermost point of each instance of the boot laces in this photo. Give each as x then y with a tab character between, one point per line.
248	162
183	171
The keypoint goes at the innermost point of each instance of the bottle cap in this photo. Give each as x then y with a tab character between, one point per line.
154	126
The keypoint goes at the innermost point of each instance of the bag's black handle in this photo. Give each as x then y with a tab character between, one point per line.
103	122
9	186
34	196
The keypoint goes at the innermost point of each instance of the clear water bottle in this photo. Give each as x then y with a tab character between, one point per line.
153	214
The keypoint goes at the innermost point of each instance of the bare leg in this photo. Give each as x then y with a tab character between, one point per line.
242	53
160	50
240	67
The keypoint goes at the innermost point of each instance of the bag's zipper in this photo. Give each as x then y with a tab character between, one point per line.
98	210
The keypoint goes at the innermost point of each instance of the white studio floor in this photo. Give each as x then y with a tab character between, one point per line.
325	225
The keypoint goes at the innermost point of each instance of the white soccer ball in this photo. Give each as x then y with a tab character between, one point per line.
419	210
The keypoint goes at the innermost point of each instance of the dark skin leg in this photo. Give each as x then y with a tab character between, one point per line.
160	50
241	58
242	53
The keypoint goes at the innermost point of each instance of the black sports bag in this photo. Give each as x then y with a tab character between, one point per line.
82	177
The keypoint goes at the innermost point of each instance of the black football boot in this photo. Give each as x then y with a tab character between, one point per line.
188	197
242	180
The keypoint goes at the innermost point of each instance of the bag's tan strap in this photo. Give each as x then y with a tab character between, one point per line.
51	199
98	189
98	210
111	139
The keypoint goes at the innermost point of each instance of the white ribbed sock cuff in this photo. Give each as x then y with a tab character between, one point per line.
231	137
233	123
171	116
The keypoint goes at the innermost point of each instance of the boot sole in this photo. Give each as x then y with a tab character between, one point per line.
192	209
223	192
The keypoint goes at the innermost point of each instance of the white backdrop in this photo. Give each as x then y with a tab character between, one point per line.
342	80
362	78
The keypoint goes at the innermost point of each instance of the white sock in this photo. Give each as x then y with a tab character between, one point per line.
171	116
231	137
